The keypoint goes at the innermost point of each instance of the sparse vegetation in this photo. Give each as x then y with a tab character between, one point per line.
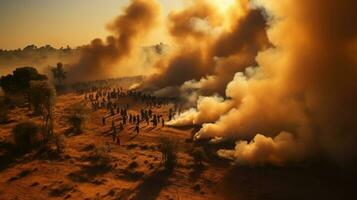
60	190
168	148
19	82
58	73
20	175
58	140
25	135
77	115
3	112
198	155
100	157
43	97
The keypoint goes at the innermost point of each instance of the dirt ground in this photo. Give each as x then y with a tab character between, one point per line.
136	169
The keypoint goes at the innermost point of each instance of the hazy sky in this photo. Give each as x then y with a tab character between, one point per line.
59	22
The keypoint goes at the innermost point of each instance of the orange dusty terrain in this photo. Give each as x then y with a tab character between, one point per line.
136	168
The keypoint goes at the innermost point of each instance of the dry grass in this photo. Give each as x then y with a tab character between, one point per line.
133	170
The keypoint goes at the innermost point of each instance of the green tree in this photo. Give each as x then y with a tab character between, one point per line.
19	81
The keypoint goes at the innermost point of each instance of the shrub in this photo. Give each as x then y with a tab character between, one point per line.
198	155
168	149
100	157
25	135
42	96
77	115
58	140
19	81
3	112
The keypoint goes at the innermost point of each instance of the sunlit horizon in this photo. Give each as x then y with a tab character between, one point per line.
62	23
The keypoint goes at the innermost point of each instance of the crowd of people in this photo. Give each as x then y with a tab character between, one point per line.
115	102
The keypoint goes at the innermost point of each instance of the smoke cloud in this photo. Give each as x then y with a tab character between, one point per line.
98	58
211	46
263	149
300	100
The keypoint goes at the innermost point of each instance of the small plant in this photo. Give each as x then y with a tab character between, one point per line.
77	115
100	157
58	140
3	112
198	155
19	81
42	97
25	135
168	149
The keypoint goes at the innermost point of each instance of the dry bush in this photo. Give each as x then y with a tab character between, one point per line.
25	135
42	96
3	112
198	155
100	157
58	140
168	148
77	115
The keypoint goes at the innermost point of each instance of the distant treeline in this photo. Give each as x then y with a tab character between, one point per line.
41	57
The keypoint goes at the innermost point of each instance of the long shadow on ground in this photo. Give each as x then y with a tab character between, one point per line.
312	182
152	185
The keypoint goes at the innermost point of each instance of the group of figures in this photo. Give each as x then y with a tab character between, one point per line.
120	108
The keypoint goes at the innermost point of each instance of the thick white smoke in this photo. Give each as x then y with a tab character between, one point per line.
298	102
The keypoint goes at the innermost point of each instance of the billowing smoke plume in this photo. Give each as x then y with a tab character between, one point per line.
98	58
300	102
192	59
211	46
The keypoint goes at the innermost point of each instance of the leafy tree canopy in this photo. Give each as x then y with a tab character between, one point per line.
19	81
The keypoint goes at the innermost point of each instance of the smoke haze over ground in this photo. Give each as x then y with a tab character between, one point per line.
299	101
278	77
211	46
99	57
39	57
278	74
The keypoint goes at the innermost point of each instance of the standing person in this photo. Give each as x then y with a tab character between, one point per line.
150	113
147	121
121	127
124	120
118	139
112	111
154	121
103	121
162	122
134	119
137	128
170	114
114	133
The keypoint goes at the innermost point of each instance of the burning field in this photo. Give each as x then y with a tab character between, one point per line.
249	99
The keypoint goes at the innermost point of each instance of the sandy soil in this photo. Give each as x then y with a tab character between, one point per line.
136	170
